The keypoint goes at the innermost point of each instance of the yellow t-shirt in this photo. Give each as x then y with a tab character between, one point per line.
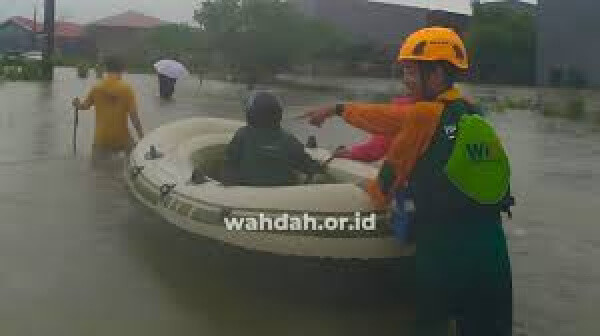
113	100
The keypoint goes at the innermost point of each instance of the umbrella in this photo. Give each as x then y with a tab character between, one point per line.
171	69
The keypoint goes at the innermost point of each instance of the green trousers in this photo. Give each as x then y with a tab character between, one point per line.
463	275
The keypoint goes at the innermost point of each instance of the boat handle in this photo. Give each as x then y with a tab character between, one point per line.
153	154
166	189
136	170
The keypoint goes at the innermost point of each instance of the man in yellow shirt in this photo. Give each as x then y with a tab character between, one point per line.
114	102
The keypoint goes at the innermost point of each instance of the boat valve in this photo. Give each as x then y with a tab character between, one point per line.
136	170
153	154
166	189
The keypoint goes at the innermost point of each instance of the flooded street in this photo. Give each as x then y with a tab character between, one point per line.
80	257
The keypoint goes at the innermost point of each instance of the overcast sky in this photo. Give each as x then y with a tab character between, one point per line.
84	11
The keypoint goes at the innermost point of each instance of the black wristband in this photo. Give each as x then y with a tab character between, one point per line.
339	109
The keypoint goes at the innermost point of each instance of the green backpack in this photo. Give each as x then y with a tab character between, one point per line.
478	165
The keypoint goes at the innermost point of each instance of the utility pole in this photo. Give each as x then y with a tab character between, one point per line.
35	30
49	19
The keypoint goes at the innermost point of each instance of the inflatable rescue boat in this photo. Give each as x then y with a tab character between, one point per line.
174	171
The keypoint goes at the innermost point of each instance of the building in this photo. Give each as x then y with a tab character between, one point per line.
23	35
122	35
567	42
517	5
383	24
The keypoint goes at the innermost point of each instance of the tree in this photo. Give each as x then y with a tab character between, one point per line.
258	38
178	41
502	45
174	38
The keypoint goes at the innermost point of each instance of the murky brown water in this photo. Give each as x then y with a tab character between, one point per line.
80	257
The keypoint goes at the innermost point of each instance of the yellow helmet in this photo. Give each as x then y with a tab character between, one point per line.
435	44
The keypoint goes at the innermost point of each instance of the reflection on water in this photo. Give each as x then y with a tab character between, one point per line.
81	257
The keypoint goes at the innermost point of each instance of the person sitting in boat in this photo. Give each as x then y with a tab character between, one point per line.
262	153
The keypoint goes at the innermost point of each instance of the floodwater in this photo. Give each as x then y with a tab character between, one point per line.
79	256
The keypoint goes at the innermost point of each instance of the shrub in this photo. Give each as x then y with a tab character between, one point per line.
575	108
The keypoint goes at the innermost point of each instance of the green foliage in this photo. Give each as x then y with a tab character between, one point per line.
99	70
365	57
507	103
519	104
572	78
26	71
323	42
576	108
15	67
83	70
175	39
258	38
69	61
550	110
502	45
140	67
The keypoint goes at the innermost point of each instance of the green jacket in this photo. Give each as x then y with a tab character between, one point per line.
266	157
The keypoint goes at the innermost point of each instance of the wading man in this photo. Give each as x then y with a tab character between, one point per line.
115	104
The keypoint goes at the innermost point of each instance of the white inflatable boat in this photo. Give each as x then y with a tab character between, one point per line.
161	179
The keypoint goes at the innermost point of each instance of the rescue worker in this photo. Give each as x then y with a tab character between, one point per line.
459	176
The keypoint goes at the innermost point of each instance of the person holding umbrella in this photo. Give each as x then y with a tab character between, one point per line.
169	71
115	104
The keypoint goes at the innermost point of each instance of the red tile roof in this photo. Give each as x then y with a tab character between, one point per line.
62	29
130	19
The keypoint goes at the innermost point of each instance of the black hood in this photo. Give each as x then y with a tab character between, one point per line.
264	110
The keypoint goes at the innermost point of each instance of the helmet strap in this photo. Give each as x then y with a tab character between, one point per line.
425	71
425	90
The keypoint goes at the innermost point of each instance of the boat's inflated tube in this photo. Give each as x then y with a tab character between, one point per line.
300	220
